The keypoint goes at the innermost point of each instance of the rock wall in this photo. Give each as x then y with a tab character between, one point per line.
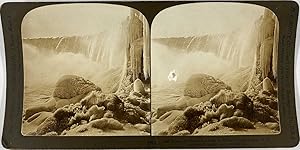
137	56
265	65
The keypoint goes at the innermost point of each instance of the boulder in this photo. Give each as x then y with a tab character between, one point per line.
69	86
199	85
237	123
145	106
106	123
138	86
132	116
267	85
113	103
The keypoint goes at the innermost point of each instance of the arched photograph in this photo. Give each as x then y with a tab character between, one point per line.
86	71
214	70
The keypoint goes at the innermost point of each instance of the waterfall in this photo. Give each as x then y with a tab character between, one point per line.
105	48
237	46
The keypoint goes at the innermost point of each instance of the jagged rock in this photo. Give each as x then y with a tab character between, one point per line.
57	123
242	102
77	118
93	98
222	97
199	85
145	106
189	120
143	127
132	116
264	113
192	112
137	109
225	111
239	100
63	113
267	99
237	122
95	112
113	103
214	115
106	123
206	106
209	115
138	86
69	86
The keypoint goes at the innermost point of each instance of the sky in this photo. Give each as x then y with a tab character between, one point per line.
72	19
204	18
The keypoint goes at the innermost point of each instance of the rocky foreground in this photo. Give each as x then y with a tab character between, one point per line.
79	107
210	107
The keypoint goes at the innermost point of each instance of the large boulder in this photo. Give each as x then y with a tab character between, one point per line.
199	85
69	86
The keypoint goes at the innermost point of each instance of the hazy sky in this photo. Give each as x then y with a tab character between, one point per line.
72	19
204	18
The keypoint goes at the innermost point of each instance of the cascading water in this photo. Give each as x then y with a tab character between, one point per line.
90	56
236	47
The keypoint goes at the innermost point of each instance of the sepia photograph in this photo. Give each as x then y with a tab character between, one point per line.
214	70
86	71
